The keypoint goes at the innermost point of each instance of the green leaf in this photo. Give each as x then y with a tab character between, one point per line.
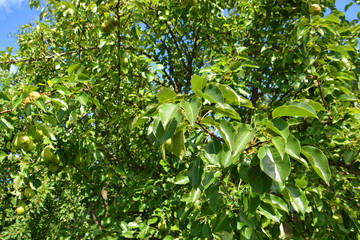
295	109
168	111
227	131
165	94
259	180
6	123
226	159
221	222
213	94
60	102
16	103
317	106
297	198
161	133
348	156
182	178
82	77
195	172
293	147
197	83
138	121
191	109
269	212
40	104
195	194
232	98
213	152
206	231
225	111
236	137
318	162
279	144
3	155
47	131
177	145
247	218
244	134
195	228
277	202
71	69
83	99
277	126
273	165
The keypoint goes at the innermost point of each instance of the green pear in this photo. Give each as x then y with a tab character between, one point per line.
29	193
24	141
30	147
79	159
54	168
35	95
48	154
315	9
21	208
16	142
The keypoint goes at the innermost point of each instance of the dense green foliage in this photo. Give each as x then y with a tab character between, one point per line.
227	119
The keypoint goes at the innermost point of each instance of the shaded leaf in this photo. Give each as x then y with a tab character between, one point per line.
259	180
195	172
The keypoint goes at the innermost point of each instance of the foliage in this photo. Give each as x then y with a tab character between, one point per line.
181	120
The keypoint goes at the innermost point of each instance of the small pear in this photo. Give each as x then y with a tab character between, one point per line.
35	95
29	193
315	9
30	147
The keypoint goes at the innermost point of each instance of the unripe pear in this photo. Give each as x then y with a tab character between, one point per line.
30	147
27	100
24	141
20	210
39	134
54	168
315	9
16	142
48	154
106	27
29	193
78	159
280	1
35	95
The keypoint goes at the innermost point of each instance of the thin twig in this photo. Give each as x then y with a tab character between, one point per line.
208	132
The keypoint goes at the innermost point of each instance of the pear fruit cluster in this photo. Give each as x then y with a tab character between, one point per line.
34	95
108	26
24	142
51	158
186	3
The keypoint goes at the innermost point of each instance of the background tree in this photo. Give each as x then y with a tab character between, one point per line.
181	119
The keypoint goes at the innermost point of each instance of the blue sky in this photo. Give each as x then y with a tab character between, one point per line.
15	13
